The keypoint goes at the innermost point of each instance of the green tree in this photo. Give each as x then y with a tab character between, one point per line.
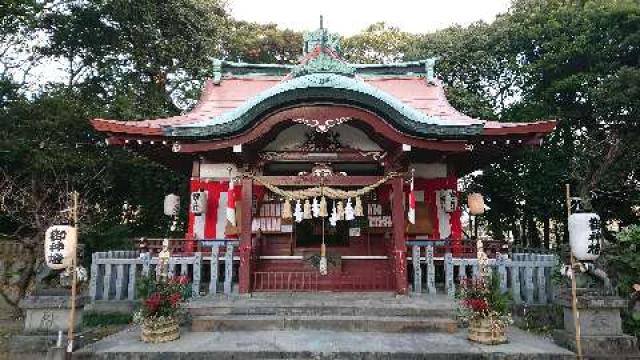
261	43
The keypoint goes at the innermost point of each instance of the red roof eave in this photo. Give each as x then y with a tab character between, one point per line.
505	129
124	127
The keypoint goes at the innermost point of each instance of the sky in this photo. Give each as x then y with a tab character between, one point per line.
348	17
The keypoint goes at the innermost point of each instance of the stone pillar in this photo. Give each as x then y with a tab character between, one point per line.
600	327
245	236
399	240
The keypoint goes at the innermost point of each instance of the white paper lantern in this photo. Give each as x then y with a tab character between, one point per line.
60	242
448	200
475	202
585	236
171	204
199	202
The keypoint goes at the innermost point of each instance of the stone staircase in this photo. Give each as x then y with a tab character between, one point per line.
370	312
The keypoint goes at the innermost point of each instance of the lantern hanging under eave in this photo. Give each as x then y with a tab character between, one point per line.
475	202
585	236
171	204
60	243
198	202
448	200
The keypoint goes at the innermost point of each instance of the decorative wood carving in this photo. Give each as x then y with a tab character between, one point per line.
322	126
322	170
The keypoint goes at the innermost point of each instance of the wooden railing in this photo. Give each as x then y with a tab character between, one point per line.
312	281
526	276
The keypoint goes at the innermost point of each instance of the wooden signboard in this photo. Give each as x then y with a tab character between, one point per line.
424	220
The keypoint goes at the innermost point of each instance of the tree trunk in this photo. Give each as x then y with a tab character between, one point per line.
534	236
21	286
546	232
524	235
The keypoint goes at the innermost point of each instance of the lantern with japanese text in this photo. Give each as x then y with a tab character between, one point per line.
448	200
171	204
198	202
475	202
60	245
585	236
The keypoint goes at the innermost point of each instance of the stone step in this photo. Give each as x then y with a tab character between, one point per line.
321	311
321	345
326	304
386	324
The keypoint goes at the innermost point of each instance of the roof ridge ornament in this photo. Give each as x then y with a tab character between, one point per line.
323	63
321	37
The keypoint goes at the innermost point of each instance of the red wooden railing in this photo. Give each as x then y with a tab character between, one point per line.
312	281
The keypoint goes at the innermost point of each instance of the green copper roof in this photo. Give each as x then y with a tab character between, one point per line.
323	63
329	87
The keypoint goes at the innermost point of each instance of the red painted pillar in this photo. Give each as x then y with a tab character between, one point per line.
399	237
245	236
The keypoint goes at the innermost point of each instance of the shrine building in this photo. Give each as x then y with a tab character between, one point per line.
350	138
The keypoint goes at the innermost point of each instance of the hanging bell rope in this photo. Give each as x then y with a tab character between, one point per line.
329	192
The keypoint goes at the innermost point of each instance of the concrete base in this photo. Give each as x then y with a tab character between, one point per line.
33	346
307	344
601	333
600	347
45	314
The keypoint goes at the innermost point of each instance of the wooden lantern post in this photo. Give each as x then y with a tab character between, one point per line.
72	314
574	269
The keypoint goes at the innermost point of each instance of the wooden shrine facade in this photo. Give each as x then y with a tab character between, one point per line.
324	122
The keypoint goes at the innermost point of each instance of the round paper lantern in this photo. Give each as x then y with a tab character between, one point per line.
171	204
475	202
60	242
198	202
585	236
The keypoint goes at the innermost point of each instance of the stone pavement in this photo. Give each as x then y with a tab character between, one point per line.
310	344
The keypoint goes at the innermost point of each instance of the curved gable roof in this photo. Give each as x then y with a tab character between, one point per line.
398	93
332	88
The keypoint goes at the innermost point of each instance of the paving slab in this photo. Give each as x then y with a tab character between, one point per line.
309	344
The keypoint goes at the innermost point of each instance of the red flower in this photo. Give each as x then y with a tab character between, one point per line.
476	305
153	302
175	298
